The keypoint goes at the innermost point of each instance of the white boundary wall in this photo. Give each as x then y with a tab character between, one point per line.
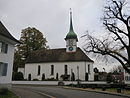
52	82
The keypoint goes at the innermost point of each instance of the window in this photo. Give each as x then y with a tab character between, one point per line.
66	70
88	68
39	69
52	69
129	78
3	69
126	78
3	47
0	46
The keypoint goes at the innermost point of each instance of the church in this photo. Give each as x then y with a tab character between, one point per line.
69	63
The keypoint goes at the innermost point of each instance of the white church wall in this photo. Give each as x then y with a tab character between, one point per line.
91	75
58	68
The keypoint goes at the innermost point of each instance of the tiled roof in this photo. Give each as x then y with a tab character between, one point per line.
57	55
4	32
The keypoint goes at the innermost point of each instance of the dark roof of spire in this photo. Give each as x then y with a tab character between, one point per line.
57	55
71	34
4	32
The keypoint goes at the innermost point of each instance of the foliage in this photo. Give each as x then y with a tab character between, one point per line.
50	79
116	44
103	88
65	77
35	79
3	91
117	70
17	76
18	62
109	78
31	40
61	83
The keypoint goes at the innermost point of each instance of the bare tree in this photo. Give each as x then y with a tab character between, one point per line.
117	70
116	21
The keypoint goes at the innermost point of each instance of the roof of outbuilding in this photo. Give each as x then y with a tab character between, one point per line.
4	32
57	55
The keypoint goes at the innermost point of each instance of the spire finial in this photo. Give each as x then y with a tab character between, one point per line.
71	24
70	11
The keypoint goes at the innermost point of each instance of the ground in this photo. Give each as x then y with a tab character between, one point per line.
56	92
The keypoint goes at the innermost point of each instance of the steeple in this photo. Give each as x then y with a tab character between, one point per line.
71	34
71	24
71	38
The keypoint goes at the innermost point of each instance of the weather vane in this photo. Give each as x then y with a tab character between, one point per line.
70	11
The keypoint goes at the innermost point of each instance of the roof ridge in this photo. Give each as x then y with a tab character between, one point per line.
57	55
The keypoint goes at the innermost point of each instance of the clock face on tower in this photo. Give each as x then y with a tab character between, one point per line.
70	48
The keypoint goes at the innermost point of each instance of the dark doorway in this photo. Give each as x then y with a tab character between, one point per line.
86	76
29	77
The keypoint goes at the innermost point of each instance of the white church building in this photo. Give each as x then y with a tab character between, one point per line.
61	64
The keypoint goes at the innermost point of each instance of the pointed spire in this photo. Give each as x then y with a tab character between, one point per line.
71	24
71	34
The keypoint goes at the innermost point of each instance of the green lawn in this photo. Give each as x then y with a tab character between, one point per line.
9	95
112	90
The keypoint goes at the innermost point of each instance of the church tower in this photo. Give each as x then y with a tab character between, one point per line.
71	38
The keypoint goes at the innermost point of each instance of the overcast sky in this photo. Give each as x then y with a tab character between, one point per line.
52	17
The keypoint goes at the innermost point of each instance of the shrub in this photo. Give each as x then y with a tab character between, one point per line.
93	87
61	83
118	90
103	88
17	76
35	80
50	79
65	77
109	78
3	91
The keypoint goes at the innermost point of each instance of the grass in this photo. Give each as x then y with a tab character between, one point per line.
112	90
8	95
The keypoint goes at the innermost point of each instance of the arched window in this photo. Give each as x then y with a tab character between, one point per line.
52	69
39	69
88	68
29	77
66	69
